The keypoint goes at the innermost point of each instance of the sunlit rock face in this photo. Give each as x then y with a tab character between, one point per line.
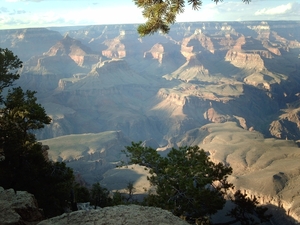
79	53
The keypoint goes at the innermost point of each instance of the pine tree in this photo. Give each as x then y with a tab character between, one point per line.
23	164
187	182
191	186
160	14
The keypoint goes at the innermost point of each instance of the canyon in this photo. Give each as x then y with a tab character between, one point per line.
230	87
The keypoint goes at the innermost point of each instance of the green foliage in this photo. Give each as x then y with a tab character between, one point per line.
23	165
54	190
82	194
118	198
191	186
100	196
20	115
161	13
246	210
27	169
9	64
131	189
187	182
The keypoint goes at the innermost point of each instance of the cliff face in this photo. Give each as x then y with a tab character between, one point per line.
29	42
264	167
79	53
210	65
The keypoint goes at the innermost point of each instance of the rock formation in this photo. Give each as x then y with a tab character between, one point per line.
123	214
26	43
79	53
18	208
199	62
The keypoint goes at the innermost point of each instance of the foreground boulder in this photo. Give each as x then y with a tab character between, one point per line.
18	208
123	214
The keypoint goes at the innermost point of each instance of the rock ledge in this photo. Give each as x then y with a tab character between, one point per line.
123	214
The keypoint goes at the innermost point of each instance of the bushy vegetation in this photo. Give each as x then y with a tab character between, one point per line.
24	164
191	186
99	196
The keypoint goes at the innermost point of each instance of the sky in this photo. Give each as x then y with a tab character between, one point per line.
49	13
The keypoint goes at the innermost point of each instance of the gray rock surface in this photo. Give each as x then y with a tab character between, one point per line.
123	214
18	208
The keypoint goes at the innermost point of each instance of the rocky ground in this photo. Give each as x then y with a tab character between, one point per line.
19	208
118	215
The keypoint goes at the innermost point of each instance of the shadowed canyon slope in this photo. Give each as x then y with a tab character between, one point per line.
231	88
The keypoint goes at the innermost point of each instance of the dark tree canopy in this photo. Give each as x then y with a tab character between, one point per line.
23	162
187	182
160	14
191	186
9	64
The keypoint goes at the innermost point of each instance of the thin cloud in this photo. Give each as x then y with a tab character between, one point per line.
281	9
83	16
17	12
3	10
20	11
23	0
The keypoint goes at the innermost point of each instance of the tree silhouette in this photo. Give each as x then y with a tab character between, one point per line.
23	164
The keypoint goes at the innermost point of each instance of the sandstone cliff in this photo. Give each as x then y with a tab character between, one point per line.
79	53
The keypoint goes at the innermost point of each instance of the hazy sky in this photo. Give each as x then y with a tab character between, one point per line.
43	13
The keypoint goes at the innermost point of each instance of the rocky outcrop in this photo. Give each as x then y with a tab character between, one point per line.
116	49
130	214
196	43
250	61
157	52
263	30
79	53
215	117
287	126
18	208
